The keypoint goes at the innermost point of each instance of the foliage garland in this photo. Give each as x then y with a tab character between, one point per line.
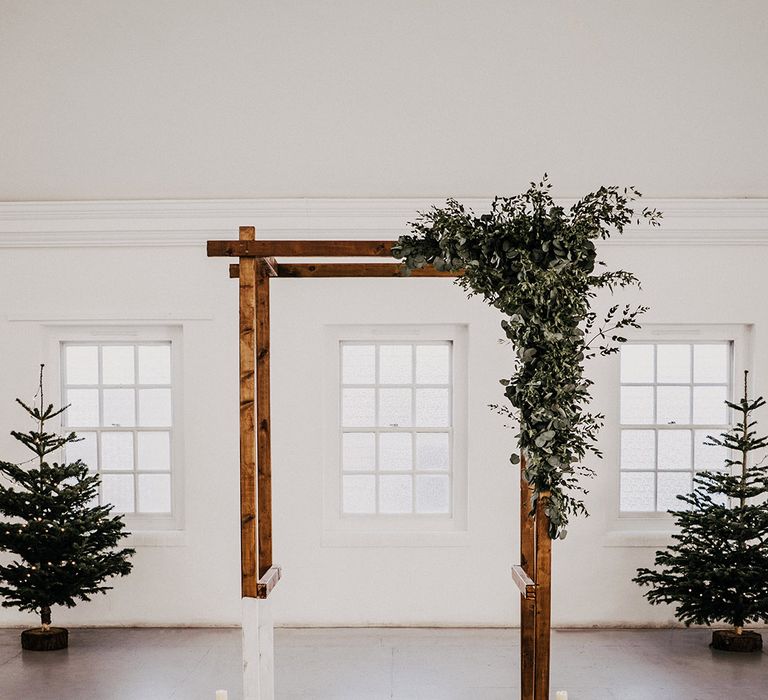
536	263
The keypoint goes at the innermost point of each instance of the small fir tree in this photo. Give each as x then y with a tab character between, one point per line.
65	547
717	570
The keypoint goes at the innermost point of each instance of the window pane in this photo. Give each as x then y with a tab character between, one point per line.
82	364
83	407
154	364
674	449
117	451
395	494
673	404
636	404
432	364
637	363
432	494
709	405
638	449
432	408
394	407
359	451
117	489
154	407
671	484
119	408
395	451
395	364
432	451
154	451
673	363
710	363
84	450
358	364
154	493
117	364
358	408
359	494
708	456
637	492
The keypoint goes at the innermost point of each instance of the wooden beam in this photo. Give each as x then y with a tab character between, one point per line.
234	271
248	567
527	605
276	249
523	582
302	270
268	581
263	418
543	597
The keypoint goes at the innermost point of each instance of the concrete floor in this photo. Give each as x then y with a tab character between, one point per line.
374	664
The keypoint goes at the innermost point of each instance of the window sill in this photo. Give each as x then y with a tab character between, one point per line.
638	538
156	538
331	538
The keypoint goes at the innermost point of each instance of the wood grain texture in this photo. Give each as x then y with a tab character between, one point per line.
527	605
543	600
269	249
524	583
247	286
314	270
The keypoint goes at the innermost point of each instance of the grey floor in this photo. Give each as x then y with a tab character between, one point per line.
373	664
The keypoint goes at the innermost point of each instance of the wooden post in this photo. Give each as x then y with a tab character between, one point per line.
527	605
543	598
248	566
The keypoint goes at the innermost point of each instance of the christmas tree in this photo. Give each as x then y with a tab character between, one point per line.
65	545
717	569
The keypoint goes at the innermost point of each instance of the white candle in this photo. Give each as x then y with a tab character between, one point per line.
223	695
561	695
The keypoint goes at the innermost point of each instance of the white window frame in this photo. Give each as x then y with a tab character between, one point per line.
59	336
651	529
396	529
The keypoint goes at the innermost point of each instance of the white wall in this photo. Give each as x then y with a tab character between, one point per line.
198	582
106	99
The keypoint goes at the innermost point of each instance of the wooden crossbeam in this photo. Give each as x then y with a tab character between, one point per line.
524	582
298	249
348	270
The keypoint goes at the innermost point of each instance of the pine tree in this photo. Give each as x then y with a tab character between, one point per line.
717	569
65	547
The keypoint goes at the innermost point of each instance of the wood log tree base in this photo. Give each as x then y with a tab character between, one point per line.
728	640
38	639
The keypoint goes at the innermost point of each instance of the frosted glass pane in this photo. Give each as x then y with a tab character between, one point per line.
432	451
673	363
84	450
673	404
708	456
154	364
358	407
395	494
433	409
674	449
670	484
154	451
395	364
395	407
710	363
432	364
636	404
154	493
637	363
359	494
358	364
155	407
395	451
117	490
117	451
359	451
638	449
432	494
709	405
637	492
82	364
119	408
117	364
83	407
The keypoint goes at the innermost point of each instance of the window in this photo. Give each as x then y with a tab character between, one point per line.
672	397
122	402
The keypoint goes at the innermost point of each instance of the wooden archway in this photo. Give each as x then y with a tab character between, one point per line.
257	265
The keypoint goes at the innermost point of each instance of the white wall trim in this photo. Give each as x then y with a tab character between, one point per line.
192	222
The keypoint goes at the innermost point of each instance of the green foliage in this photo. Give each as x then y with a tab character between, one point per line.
65	546
717	569
536	262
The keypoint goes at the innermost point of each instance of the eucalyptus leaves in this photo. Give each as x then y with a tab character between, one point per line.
536	263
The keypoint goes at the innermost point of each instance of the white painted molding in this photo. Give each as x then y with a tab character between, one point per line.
192	222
